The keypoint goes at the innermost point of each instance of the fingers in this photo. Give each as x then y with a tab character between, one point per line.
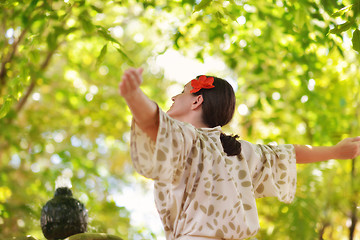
355	139
350	139
134	76
349	148
131	80
356	143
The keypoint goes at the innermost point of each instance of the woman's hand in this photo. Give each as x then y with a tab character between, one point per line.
144	111
347	148
131	81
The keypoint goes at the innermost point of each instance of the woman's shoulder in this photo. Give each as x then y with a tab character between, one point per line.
246	144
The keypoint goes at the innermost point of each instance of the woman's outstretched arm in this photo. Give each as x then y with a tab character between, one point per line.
348	148
144	111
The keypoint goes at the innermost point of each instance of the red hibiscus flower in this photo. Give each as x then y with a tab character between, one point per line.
202	82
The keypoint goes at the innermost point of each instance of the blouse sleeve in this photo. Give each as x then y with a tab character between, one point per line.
273	170
164	159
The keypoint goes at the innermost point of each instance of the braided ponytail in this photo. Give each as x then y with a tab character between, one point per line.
218	110
230	144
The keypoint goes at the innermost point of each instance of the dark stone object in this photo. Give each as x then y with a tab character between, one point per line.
63	216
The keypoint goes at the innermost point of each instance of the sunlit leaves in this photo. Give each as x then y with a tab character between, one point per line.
203	4
6	106
28	11
342	27
350	15
342	11
86	22
39	143
296	84
107	36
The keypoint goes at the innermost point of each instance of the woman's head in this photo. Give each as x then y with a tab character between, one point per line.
209	102
218	104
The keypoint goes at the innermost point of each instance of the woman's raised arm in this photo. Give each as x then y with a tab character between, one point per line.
144	111
348	148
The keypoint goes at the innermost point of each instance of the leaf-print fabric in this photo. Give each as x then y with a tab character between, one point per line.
200	192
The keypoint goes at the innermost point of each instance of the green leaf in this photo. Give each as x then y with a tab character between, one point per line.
203	4
70	30
62	17
51	40
87	24
342	27
53	15
356	40
106	35
102	54
99	10
5	108
231	14
356	8
28	11
32	5
126	56
341	11
300	18
80	3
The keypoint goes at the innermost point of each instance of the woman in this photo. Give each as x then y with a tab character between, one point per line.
206	182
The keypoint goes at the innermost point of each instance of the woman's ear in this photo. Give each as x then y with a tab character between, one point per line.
197	102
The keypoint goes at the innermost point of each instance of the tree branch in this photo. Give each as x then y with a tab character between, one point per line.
322	230
27	94
9	58
33	81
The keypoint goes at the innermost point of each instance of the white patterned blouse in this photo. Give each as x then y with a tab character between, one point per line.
200	192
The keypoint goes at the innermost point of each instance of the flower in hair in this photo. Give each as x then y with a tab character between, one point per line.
202	82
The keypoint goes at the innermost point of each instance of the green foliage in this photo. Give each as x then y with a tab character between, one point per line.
356	40
203	4
6	106
351	13
58	113
61	62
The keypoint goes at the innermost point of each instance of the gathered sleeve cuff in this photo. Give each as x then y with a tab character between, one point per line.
273	170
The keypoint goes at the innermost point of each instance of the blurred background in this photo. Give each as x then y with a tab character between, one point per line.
294	66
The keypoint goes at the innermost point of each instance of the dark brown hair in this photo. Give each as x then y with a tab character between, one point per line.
218	109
